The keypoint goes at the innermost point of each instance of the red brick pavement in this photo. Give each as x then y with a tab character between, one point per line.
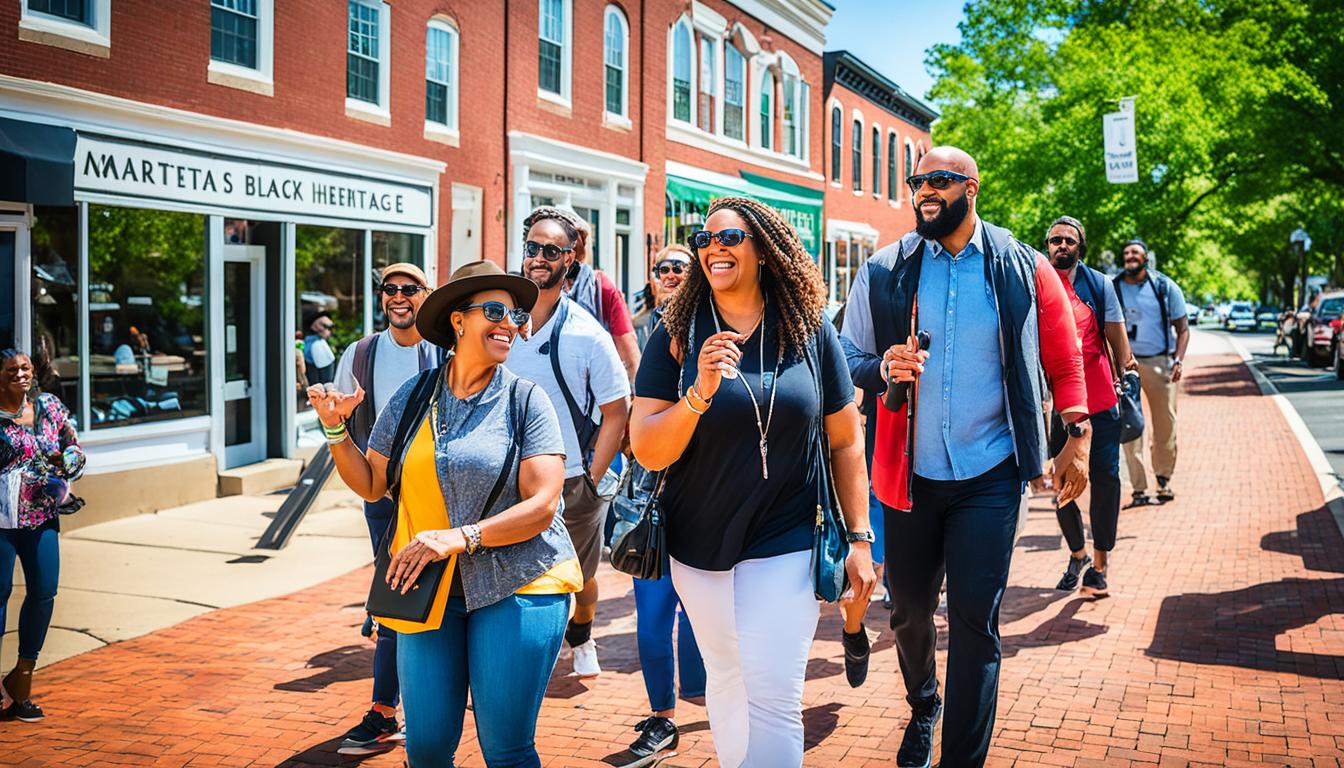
1222	645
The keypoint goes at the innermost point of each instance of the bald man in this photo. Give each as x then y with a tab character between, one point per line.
996	314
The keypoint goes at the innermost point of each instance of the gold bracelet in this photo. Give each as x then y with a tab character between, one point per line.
694	410
708	401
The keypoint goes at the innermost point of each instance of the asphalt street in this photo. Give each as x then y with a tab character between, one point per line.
1315	393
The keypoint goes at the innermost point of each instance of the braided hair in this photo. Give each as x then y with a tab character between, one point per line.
566	220
790	278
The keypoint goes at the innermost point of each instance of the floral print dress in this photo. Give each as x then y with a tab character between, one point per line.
36	464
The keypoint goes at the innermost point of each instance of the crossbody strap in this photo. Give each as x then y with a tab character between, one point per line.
519	422
576	415
417	405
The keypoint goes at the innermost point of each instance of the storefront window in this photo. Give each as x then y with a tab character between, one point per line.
329	280
147	359
55	302
392	248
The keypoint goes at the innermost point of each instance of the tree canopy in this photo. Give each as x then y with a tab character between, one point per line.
1239	111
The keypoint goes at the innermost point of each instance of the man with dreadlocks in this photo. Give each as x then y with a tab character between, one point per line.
995	313
729	399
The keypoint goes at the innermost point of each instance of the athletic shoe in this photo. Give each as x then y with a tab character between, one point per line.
24	711
857	650
917	746
1094	583
886	599
585	660
373	735
1164	492
656	734
1069	581
1141	499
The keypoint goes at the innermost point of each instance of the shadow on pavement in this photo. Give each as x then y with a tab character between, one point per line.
1317	541
1057	630
1040	543
322	754
340	665
818	723
1221	381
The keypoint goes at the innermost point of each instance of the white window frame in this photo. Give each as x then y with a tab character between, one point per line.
622	118
876	163
715	77
835	178
565	97
448	133
93	38
894	163
774	111
359	109
856	118
682	25
789	70
725	44
262	79
908	160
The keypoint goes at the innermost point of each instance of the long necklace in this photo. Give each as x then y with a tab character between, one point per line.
14	415
762	427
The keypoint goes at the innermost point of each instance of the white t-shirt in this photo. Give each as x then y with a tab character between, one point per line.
588	360
393	364
1143	316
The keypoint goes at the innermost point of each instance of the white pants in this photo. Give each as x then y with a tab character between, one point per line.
754	625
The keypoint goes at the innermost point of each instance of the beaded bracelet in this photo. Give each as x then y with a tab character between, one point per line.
333	431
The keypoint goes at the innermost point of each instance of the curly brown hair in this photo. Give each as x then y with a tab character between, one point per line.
790	278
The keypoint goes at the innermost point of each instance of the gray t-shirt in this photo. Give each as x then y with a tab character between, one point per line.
393	365
1143	316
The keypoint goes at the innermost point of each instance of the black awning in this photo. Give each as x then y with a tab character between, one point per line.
37	163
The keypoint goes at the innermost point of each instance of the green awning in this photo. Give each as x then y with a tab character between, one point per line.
800	206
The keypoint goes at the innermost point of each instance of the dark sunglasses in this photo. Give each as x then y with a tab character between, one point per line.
549	251
405	289
664	269
726	237
935	179
495	312
1061	239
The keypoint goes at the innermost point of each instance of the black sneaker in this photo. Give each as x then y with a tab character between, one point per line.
1141	499
373	735
1069	581
655	735
1094	583
856	656
1164	492
25	711
917	746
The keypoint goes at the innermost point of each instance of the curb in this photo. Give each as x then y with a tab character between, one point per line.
1331	489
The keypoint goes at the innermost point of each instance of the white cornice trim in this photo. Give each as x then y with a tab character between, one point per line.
803	21
91	111
541	152
694	137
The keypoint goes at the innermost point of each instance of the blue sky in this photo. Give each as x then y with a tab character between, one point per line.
892	35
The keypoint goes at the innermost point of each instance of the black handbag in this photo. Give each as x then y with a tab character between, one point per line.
830	546
639	540
416	603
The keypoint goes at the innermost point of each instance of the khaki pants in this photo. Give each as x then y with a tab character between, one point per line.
1160	426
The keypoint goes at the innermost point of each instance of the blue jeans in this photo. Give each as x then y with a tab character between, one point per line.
39	551
505	652
385	687
656	604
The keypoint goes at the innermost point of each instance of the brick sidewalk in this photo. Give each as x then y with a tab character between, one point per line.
1223	644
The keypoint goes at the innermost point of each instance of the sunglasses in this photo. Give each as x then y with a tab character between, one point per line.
935	179
549	251
405	289
726	237
665	269
1061	239
496	311
326	327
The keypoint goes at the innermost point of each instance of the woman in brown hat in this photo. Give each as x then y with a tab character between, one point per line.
474	457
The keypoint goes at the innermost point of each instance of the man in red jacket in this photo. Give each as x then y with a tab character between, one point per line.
996	313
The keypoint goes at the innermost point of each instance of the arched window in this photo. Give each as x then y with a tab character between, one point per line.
909	159
893	181
767	110
441	74
616	58
794	102
856	170
836	129
734	93
681	71
706	99
877	161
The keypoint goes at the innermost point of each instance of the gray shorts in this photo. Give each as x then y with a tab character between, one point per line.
584	515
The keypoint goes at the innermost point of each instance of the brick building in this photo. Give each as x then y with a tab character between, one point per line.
875	134
185	190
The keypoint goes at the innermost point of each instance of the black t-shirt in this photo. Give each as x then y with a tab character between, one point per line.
719	509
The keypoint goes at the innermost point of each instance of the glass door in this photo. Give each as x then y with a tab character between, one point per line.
244	355
8	266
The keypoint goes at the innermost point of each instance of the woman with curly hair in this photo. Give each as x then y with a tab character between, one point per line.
725	399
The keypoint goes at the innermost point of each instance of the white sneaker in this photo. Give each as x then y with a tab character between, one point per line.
585	660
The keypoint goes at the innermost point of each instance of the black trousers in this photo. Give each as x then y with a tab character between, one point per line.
964	530
1103	481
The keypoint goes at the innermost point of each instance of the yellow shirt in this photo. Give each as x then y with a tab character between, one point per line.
421	508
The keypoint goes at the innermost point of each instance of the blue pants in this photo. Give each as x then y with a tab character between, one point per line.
656	604
385	687
505	653
1104	483
39	552
963	529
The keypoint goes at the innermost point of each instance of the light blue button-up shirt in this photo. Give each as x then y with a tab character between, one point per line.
961	424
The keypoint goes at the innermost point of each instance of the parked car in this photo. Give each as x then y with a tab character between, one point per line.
1240	317
1267	317
1339	358
1321	330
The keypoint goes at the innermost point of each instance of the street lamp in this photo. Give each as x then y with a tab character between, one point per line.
1301	243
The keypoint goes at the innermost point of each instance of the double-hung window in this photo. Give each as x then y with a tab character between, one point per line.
363	78
441	75
734	93
909	160
856	166
767	110
705	104
552	56
615	58
233	32
791	145
681	72
837	127
893	183
78	11
877	162
84	26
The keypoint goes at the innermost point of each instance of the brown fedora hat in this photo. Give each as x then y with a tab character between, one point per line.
432	319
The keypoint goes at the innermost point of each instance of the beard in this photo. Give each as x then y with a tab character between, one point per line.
400	323
1064	260
945	223
553	277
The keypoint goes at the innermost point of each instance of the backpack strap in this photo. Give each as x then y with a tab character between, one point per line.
519	421
417	406
579	417
1159	282
366	350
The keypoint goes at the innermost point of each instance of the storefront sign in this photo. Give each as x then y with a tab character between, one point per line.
158	172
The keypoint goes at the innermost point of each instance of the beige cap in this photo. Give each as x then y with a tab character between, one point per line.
407	269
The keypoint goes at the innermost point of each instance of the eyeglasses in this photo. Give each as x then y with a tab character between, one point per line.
326	326
935	179
664	269
495	311
726	237
405	289
1060	239
550	251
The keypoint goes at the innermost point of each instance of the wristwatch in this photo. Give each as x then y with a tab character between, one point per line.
1076	428
857	536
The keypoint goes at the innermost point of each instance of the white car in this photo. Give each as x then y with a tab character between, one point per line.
1240	317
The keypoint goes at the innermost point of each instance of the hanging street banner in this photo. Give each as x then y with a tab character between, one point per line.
1122	157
